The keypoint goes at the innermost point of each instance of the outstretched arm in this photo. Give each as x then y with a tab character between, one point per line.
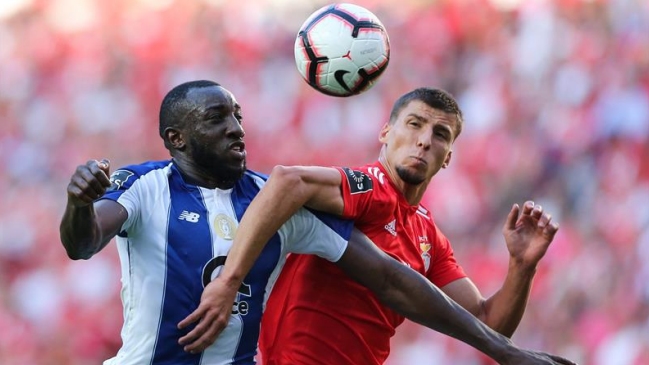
528	237
87	227
412	295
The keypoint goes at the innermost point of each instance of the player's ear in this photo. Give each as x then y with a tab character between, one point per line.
383	135
174	138
447	160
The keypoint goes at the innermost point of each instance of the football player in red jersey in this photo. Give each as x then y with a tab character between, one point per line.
318	315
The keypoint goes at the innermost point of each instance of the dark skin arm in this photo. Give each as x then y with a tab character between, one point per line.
87	226
413	296
397	286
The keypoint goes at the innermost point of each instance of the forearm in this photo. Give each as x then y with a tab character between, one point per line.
79	231
413	296
504	310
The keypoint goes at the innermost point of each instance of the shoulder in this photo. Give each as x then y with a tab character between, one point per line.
251	180
364	179
248	185
255	176
124	177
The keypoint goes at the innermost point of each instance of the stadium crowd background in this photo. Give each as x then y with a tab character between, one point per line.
556	101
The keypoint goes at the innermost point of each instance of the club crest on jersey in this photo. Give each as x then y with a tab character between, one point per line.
118	178
225	227
358	181
425	246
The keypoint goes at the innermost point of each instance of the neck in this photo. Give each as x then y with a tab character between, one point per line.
412	193
194	174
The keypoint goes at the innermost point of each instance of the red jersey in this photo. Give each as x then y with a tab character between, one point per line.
317	315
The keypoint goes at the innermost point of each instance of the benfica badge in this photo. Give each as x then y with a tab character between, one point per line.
425	247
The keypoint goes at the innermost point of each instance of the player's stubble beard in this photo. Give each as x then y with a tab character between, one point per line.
220	167
410	177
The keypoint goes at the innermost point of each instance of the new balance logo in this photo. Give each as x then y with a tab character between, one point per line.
392	227
189	216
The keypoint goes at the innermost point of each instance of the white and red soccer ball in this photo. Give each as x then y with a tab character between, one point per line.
342	49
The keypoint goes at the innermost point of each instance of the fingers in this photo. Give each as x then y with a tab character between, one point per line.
533	210
193	317
537	212
561	360
544	220
200	339
528	206
89	181
205	332
550	228
104	165
512	217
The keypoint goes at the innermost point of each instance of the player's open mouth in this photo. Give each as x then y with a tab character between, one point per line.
239	148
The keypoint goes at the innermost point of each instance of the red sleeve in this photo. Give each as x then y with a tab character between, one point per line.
357	188
444	269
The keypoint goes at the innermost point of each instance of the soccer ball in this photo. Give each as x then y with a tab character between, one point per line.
342	49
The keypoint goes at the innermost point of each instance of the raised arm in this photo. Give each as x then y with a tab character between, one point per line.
87	226
286	191
412	295
528	236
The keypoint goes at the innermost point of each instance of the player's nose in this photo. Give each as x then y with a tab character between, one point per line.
235	129
424	139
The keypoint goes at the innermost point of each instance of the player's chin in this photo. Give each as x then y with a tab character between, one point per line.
233	173
230	169
238	169
411	175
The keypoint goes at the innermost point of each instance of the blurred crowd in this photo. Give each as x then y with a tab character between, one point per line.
555	95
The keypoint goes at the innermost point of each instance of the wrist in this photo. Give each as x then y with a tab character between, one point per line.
230	279
521	267
503	350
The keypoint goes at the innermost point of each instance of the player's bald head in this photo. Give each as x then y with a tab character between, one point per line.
176	104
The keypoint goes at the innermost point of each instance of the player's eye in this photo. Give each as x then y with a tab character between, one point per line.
442	134
214	116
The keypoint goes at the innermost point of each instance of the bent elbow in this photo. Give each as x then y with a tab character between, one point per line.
289	178
75	255
74	250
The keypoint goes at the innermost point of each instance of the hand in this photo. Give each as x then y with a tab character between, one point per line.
528	236
213	314
89	182
526	357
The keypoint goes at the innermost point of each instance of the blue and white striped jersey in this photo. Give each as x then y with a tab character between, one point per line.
174	242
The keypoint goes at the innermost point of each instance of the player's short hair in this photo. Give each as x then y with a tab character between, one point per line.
175	104
435	98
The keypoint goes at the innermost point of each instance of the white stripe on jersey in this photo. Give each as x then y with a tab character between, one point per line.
175	232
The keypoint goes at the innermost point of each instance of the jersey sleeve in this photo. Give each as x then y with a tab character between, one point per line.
444	269
357	189
316	233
